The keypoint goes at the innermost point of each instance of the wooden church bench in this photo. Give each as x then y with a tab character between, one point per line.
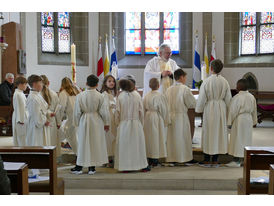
6	115
37	158
265	110
255	158
271	180
18	175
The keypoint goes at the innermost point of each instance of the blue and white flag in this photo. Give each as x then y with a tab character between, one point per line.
197	63
113	61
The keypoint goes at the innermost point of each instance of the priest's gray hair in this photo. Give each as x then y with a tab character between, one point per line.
9	75
162	47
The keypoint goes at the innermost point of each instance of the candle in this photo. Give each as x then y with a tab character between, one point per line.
73	63
203	71
73	53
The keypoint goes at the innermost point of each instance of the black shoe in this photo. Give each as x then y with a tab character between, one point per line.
147	169
204	164
77	170
91	170
191	162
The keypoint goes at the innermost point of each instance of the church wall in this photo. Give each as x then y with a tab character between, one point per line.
264	75
55	73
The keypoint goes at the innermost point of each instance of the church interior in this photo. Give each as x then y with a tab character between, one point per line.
75	45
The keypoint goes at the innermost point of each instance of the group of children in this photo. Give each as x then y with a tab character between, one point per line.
118	128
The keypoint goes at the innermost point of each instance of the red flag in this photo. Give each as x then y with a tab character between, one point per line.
100	67
213	51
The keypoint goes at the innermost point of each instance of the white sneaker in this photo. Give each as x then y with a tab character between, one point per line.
233	164
91	172
79	172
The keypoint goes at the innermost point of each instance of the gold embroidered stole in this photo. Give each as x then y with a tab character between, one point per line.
166	81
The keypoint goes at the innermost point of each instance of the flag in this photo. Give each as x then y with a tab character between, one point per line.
206	58
113	61
106	60
213	50
100	68
197	64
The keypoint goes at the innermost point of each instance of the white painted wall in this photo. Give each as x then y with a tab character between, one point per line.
56	73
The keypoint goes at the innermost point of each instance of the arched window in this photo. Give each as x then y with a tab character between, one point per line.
257	33
55	32
145	31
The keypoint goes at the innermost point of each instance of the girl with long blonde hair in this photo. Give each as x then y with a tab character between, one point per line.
67	98
52	99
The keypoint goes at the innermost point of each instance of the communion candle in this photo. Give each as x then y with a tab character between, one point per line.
73	63
203	71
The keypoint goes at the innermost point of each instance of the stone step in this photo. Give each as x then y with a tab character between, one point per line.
152	184
163	178
147	192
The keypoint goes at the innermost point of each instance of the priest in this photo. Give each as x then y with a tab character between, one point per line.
160	67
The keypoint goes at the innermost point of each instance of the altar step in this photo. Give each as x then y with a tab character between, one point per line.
163	178
147	192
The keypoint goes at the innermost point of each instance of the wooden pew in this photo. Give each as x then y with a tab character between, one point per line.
6	114
265	110
255	158
18	175
37	158
271	180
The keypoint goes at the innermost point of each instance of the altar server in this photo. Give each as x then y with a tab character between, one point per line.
156	120
241	118
38	116
213	102
109	91
52	99
130	141
180	99
20	114
67	97
91	115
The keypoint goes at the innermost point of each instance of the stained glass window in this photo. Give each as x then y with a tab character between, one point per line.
171	30
248	33
133	33
152	32
250	44
47	39
47	31
248	18
267	17
249	40
267	33
63	19
63	32
50	31
64	40
144	32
